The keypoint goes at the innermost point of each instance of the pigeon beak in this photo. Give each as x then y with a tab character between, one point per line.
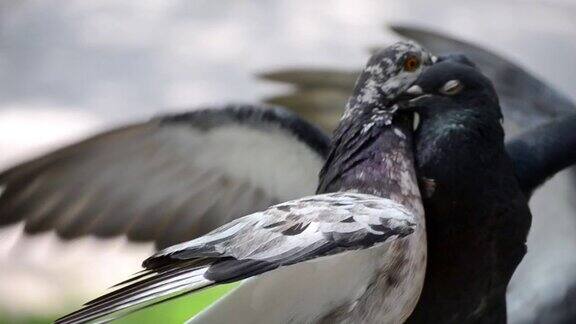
414	90
416	121
411	98
399	103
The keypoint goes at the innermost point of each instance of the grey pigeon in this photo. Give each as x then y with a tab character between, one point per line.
356	255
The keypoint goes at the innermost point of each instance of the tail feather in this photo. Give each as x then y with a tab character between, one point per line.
165	270
136	285
143	291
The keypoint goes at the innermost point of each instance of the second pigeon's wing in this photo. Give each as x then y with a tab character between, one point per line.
540	153
168	180
285	234
524	98
320	94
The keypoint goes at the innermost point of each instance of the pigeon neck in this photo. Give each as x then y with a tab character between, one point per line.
480	143
377	161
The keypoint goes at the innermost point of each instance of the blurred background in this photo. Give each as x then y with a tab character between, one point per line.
72	68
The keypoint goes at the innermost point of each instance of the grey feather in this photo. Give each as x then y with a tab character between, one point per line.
313	78
328	224
322	219
167	180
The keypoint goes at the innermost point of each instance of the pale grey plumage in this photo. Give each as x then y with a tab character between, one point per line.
349	220
296	231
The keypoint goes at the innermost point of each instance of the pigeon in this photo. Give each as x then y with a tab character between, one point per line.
353	253
476	212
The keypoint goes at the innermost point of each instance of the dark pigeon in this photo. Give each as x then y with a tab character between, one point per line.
476	212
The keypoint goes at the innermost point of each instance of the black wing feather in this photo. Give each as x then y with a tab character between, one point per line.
540	153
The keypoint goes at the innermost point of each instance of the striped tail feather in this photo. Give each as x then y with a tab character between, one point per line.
144	290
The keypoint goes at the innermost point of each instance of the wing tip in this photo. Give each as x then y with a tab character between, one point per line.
140	292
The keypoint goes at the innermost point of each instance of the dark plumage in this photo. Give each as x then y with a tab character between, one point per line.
542	152
477	215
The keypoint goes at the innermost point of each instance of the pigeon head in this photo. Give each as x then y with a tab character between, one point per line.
452	92
457	106
388	73
372	147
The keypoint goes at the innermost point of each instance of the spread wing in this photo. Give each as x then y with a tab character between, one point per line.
167	180
320	95
284	234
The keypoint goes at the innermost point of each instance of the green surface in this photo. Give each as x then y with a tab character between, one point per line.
178	310
171	312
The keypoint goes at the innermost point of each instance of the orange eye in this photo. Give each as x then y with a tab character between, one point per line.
411	64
